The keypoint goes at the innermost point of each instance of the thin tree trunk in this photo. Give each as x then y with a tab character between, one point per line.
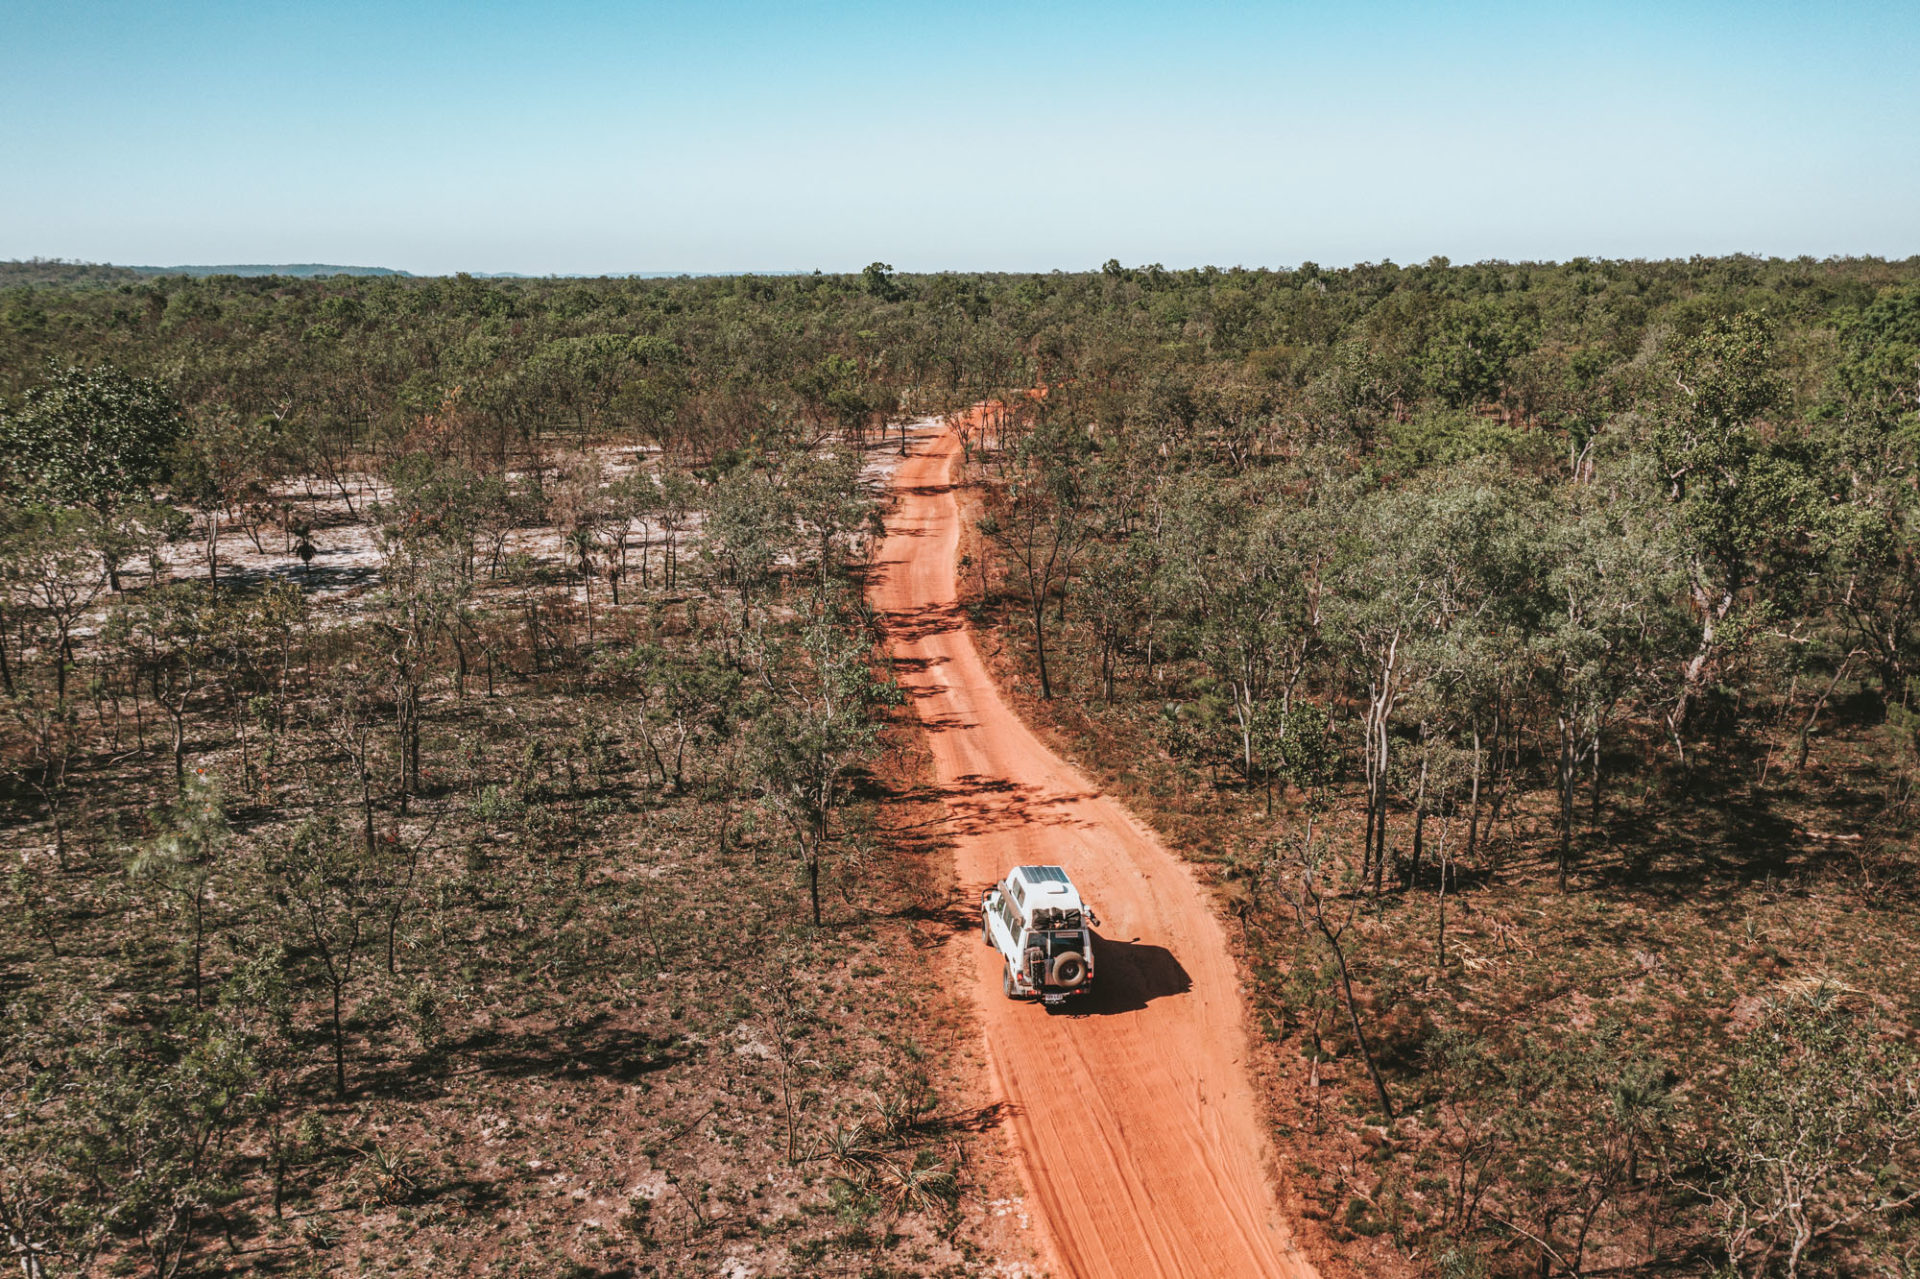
179	719
199	939
1040	645
813	884
1567	783
1353	1013
1473	805
1806	729
1419	827
339	1048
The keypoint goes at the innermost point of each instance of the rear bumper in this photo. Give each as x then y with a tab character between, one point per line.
1052	994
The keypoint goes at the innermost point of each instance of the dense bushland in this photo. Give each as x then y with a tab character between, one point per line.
441	844
1536	668
1528	647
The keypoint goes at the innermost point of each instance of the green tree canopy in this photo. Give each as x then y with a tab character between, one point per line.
90	437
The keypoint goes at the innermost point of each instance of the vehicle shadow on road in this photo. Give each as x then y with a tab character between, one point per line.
1129	975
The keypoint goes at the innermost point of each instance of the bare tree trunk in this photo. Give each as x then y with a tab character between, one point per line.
813	884
1813	716
1473	805
1567	783
179	718
1419	827
199	939
6	670
1353	1012
339	1048
213	551
1593	770
1040	645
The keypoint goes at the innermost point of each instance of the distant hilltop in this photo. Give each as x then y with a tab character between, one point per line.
302	269
44	271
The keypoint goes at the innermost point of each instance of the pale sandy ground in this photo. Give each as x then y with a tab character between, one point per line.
347	556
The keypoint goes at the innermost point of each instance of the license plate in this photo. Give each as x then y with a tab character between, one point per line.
1051	999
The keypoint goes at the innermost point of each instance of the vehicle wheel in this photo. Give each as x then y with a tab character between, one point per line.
1006	983
986	933
1069	970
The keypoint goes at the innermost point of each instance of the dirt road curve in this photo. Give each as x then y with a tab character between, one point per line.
1134	1117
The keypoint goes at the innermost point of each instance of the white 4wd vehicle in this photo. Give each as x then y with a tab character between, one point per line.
1036	920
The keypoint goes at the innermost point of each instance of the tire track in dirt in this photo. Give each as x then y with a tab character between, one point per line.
1133	1115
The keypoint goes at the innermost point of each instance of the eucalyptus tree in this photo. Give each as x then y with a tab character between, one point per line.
1382	609
584	375
50	574
423	594
1816	1139
1867	444
1462	541
831	508
327	886
1041	521
631	500
182	859
1116	583
654	388
1740	502
1468	354
838	400
680	498
748	527
1606	621
821	723
123	1135
578	504
95	438
171	632
682	710
221	465
1248	563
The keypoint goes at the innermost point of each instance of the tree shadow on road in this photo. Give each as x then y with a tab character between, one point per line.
922	621
982	804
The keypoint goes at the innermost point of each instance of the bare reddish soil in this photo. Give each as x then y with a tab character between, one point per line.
1132	1114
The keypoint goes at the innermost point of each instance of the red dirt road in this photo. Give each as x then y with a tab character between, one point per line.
1133	1114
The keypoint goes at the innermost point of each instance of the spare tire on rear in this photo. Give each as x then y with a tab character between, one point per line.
1069	969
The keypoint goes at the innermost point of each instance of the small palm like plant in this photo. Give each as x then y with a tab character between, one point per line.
390	1174
924	1185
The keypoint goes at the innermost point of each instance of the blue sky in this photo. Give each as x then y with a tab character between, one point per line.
737	135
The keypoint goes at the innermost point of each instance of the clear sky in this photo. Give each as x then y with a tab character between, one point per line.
580	136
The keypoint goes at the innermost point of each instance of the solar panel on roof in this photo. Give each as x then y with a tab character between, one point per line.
1044	874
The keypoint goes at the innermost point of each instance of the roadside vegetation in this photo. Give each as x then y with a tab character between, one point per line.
451	820
457	834
1529	656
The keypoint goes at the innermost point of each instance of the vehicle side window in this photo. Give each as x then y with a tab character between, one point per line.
1007	917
